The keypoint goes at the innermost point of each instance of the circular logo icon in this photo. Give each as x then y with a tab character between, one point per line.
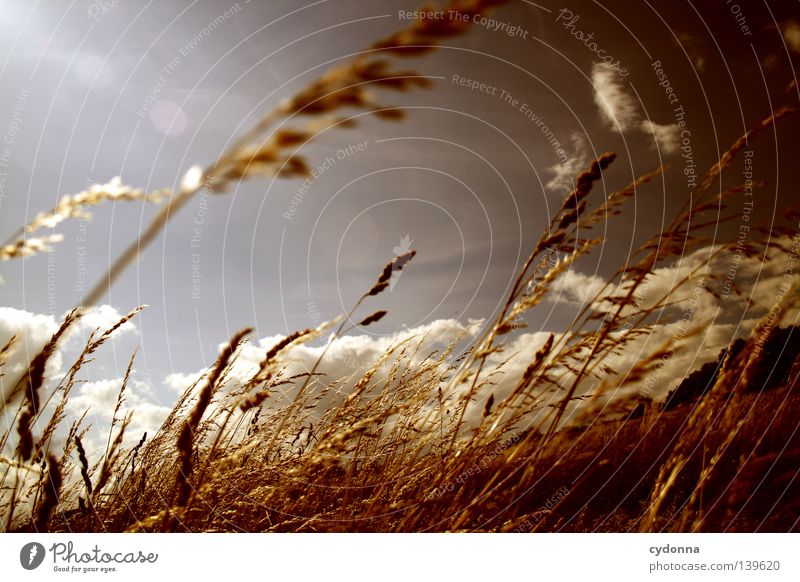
31	555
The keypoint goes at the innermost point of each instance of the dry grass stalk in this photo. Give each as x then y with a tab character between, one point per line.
136	450
5	350
185	443
50	497
75	206
111	457
31	383
26	247
87	481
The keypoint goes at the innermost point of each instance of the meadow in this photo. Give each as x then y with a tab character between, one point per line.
422	441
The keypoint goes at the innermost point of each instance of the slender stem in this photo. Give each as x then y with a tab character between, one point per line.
132	252
304	385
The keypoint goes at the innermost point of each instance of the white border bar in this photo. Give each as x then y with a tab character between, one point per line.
415	557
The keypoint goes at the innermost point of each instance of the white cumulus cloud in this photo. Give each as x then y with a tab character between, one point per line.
33	330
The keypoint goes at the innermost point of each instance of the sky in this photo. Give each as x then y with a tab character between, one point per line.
518	107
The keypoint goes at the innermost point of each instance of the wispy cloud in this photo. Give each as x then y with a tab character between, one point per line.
692	45
619	109
617	106
666	136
